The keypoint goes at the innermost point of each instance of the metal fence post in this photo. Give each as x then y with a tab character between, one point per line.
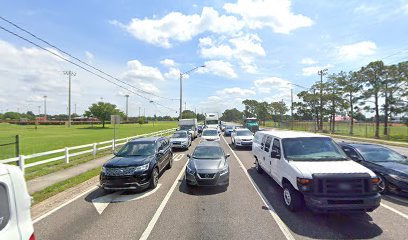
66	155
18	148
21	160
127	140
94	149
113	145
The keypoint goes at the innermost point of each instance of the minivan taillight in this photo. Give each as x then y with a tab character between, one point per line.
32	237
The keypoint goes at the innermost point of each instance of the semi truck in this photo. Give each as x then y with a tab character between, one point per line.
212	120
189	125
252	124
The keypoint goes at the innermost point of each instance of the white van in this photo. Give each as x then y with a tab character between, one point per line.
15	203
313	170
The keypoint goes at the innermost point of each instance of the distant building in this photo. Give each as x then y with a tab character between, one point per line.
41	119
343	119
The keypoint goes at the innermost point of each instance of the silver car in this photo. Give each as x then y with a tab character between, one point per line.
180	139
208	166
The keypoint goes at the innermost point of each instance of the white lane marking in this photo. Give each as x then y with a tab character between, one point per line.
177	157
64	204
158	212
285	230
102	202
395	211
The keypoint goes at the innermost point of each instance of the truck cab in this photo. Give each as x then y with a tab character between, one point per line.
189	125
252	124
314	171
15	203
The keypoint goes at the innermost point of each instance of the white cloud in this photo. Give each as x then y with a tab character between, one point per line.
236	92
173	73
308	61
168	62
367	9
137	71
219	68
89	57
309	71
357	50
244	48
179	27
272	85
275	14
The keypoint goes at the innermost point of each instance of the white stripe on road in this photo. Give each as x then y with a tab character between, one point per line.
395	211
285	230
178	156
156	216
64	204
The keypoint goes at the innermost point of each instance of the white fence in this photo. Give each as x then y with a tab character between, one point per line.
88	148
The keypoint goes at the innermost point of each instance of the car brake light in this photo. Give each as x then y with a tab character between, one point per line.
304	181
32	237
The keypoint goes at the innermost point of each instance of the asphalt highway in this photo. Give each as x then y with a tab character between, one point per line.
251	208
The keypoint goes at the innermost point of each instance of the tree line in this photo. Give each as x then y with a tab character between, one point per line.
377	88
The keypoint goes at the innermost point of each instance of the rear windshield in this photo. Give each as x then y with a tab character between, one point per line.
312	149
210	133
208	152
244	133
179	135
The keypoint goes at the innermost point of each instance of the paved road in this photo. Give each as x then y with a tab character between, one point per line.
241	212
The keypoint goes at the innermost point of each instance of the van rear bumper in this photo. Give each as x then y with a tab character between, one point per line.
343	204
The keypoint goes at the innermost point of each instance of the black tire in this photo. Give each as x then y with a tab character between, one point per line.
154	179
383	185
170	164
258	167
292	199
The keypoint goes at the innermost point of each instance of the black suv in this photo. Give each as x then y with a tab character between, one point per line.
137	165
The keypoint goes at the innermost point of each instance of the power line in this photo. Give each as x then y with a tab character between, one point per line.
76	64
79	60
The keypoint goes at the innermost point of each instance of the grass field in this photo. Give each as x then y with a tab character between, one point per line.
398	132
46	138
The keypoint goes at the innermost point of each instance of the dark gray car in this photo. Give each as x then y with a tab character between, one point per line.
208	166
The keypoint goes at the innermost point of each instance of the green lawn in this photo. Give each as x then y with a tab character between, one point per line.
46	138
398	132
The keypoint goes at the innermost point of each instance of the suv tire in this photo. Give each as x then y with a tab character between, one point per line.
154	179
170	164
292	198
383	186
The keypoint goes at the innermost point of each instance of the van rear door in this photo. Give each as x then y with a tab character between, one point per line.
8	213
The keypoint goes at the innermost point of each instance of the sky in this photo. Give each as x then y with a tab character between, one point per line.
251	49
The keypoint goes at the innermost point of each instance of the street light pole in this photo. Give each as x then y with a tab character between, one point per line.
127	104
321	73
69	73
181	87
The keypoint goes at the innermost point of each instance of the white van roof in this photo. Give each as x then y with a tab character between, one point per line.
3	169
289	134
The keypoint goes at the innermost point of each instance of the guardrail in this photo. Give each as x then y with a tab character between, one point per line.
94	148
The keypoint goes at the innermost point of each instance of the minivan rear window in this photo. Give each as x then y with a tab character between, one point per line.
4	207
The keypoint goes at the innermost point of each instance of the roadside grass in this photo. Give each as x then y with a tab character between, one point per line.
50	137
398	132
64	185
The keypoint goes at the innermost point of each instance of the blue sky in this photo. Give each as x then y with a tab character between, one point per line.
252	49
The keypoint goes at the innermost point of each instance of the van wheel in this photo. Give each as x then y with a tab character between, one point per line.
258	167
292	198
154	180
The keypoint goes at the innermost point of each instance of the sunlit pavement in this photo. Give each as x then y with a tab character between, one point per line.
251	208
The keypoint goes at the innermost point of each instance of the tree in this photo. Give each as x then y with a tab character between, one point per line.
200	117
30	115
188	114
277	110
232	115
373	77
103	111
308	106
250	107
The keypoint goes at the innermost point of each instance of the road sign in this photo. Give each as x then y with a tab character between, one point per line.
115	119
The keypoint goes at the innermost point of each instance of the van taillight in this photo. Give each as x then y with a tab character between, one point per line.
32	237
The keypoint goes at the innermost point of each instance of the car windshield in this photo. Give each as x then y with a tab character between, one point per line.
137	149
244	133
179	135
210	133
380	154
186	127
312	149
208	152
229	127
211	122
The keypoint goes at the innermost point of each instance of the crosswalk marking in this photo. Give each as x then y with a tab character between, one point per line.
178	156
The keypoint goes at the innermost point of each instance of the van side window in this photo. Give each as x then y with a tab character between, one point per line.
268	144
263	142
276	149
4	207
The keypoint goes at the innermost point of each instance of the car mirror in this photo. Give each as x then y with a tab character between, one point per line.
161	151
356	158
227	155
275	154
188	155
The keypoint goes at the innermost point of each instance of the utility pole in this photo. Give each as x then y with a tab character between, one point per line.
45	107
321	73
75	112
127	104
291	107
69	73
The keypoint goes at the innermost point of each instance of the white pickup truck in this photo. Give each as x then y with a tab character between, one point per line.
15	203
313	170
